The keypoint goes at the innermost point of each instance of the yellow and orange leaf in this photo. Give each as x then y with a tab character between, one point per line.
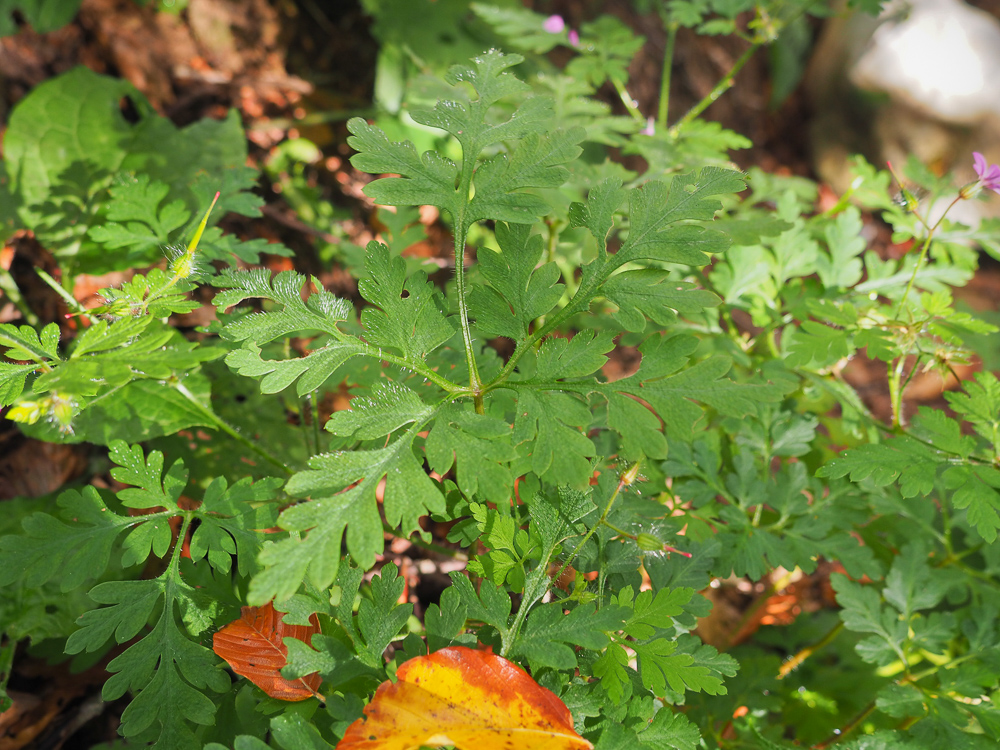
471	699
253	647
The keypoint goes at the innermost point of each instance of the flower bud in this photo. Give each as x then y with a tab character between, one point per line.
648	543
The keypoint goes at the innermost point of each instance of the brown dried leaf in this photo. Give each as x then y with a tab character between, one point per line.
253	647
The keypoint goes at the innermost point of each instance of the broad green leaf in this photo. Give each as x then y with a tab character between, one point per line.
842	269
496	186
611	668
911	585
980	405
598	213
655	208
342	489
548	429
231	521
445	621
651	613
976	490
136	220
151	488
670	390
61	167
491	605
863	613
322	311
24	342
308	372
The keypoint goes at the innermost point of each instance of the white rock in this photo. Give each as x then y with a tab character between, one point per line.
941	57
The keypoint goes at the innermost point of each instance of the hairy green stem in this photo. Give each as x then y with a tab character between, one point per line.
461	232
441	382
175	555
623	481
896	392
534	589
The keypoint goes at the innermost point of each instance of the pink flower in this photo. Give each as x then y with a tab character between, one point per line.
554	24
989	174
574	38
650	128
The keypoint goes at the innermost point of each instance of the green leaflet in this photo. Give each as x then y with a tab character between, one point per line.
651	293
500	180
478	446
409	319
321	311
409	494
43	15
548	631
519	291
382	617
936	454
168	670
670	731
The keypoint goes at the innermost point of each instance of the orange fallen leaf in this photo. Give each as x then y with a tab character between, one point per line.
471	699
253	647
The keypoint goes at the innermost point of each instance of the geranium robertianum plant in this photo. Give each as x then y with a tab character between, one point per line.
593	512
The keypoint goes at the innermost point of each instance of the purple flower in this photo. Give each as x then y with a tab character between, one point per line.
989	174
554	24
574	38
650	128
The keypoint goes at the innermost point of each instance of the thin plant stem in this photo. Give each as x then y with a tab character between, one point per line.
896	392
223	426
668	64
461	232
804	653
68	298
9	287
314	416
923	254
720	88
854	724
623	481
627	100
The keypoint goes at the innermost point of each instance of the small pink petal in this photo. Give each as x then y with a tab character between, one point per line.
650	128
979	163
574	38
554	24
